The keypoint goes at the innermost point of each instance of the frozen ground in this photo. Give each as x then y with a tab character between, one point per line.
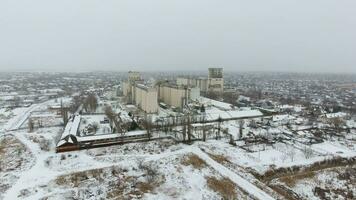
52	176
333	183
160	169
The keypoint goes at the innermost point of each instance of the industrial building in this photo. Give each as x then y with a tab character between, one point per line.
146	98
137	93
177	96
214	82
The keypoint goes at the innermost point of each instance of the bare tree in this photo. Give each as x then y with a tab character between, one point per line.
204	128
111	116
64	114
17	101
109	112
253	124
230	97
86	105
31	125
213	95
92	102
189	131
219	128
184	130
292	153
95	126
232	141
284	156
241	126
75	104
148	126
308	152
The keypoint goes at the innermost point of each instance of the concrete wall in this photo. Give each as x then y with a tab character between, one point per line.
146	99
126	88
194	93
173	96
216	84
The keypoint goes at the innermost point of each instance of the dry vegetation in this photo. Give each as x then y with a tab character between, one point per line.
75	179
293	179
14	157
219	158
114	182
335	182
225	187
9	145
194	160
42	142
10	149
290	176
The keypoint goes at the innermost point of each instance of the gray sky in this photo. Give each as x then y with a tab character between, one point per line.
241	35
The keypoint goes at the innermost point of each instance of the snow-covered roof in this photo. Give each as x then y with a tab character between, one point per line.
218	104
214	114
335	115
44	115
201	124
276	118
109	136
71	127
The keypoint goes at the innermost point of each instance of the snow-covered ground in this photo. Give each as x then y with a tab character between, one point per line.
333	183
159	169
166	157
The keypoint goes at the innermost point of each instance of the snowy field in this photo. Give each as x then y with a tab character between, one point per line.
333	183
159	169
54	176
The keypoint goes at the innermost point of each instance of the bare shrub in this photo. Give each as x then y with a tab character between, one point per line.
291	153
95	126
308	152
31	125
45	145
150	172
293	179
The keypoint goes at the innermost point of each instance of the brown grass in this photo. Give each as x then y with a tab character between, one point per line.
193	160
324	164
293	179
219	158
10	148
2	148
225	187
116	192
76	178
130	188
145	187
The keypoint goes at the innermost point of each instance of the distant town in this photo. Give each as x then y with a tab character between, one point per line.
213	134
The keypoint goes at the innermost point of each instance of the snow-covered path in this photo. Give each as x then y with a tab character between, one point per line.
238	180
39	174
16	122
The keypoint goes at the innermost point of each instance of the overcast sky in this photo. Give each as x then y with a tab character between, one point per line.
240	35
